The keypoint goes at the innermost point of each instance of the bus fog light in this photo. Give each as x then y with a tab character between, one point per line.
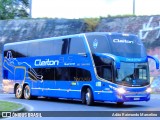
121	90
149	90
119	96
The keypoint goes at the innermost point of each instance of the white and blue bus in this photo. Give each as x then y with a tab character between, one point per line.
96	66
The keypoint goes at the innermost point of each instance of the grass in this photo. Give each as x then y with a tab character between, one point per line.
9	106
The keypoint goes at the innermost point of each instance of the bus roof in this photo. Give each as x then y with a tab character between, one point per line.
69	36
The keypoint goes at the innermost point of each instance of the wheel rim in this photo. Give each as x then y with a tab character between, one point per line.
19	92
87	97
27	93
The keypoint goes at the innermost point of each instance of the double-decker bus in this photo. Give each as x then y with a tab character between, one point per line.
97	66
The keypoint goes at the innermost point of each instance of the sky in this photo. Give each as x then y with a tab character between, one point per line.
92	8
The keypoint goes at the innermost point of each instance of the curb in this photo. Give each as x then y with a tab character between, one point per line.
20	109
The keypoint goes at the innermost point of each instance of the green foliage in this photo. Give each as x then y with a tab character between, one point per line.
10	9
91	24
9	106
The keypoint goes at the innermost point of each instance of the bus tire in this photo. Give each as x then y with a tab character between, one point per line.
87	97
19	92
120	103
27	92
83	97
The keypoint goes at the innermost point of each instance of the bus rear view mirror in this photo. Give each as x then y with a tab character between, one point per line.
156	61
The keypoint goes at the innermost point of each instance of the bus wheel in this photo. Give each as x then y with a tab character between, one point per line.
27	92
83	97
89	97
19	92
120	103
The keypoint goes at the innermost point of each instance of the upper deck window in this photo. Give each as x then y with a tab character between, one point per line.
127	46
117	44
17	50
58	46
98	44
76	45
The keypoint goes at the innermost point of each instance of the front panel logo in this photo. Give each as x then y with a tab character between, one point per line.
95	43
122	41
47	62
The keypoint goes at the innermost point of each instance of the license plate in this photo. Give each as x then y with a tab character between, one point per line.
136	98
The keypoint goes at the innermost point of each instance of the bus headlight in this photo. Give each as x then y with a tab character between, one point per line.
121	90
149	90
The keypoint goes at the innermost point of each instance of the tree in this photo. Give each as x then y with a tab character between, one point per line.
10	9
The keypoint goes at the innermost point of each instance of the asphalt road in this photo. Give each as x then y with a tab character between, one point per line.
43	104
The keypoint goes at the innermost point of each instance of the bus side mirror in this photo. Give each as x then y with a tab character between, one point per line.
156	61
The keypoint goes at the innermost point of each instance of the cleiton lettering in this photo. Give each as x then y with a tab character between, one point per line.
47	62
122	41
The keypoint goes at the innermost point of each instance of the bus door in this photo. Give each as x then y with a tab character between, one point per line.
105	73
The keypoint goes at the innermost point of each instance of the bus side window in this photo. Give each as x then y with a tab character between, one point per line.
76	45
62	73
33	49
52	47
97	44
65	46
72	73
104	72
81	74
21	50
10	52
107	73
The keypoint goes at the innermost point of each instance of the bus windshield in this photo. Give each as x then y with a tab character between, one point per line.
119	45
132	74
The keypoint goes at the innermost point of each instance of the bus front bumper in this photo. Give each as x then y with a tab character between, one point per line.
134	97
